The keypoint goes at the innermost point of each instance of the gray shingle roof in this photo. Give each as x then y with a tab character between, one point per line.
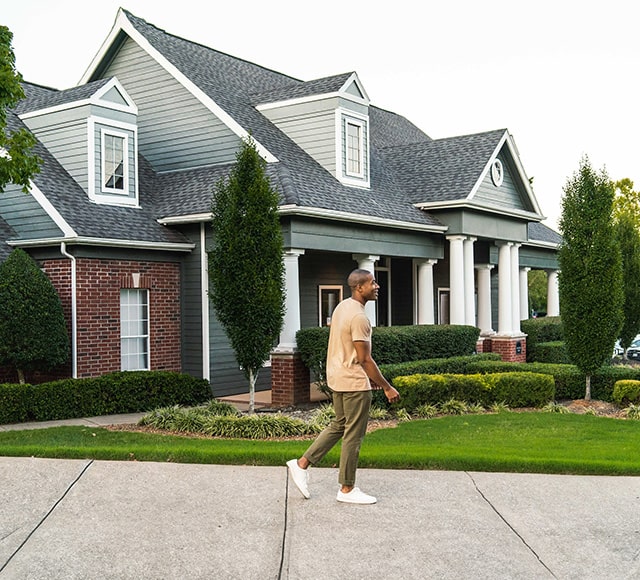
301	89
541	233
37	98
454	165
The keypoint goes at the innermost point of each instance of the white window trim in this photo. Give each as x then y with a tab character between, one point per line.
103	198
361	128
321	289
147	336
108	132
362	179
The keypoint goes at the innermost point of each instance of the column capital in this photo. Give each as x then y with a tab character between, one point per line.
293	252
367	257
525	269
456	237
500	243
426	262
485	266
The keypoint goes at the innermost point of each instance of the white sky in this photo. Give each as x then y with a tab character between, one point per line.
561	75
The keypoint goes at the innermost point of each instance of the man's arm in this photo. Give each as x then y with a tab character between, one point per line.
363	351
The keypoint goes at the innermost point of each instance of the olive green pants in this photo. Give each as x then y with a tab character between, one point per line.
350	425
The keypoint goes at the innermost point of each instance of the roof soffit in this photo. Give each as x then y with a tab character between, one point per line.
122	25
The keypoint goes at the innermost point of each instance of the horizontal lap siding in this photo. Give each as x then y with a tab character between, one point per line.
25	215
176	131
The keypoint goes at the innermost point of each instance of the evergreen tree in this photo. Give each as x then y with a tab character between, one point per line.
246	269
590	281
17	163
33	332
627	221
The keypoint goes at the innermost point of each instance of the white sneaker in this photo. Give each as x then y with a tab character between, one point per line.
300	477
356	496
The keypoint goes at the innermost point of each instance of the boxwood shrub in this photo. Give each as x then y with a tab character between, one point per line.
393	344
541	330
454	365
626	392
569	381
516	389
121	392
553	352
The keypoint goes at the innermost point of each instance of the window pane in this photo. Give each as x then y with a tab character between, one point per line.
114	162
353	149
134	329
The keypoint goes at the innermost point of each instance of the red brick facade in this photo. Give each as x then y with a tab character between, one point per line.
510	349
290	380
98	309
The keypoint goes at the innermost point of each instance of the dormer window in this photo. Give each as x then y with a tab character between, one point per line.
353	150
114	162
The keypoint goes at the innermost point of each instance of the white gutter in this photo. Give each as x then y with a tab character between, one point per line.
82	241
74	310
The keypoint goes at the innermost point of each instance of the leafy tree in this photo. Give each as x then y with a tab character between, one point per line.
627	221
590	281
17	163
33	332
537	281
246	268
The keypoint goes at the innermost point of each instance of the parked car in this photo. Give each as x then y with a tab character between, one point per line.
633	351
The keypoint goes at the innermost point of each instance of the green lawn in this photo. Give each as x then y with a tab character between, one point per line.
509	442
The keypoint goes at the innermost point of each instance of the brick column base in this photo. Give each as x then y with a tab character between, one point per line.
510	348
290	380
483	344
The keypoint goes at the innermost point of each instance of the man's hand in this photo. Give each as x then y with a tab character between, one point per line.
392	395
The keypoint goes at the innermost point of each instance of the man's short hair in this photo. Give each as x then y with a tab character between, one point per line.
357	277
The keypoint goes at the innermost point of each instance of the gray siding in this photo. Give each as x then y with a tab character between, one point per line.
25	215
176	131
507	195
64	134
132	161
312	126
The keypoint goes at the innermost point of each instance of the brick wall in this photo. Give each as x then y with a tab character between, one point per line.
508	348
98	309
290	380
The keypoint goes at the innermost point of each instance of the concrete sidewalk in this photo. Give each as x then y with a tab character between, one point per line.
67	519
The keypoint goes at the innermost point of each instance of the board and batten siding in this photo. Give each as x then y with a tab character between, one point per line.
25	215
310	125
175	130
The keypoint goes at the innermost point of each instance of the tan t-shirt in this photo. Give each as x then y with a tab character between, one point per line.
349	323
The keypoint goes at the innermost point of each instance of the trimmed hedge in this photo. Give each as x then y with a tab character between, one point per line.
456	365
626	392
121	392
393	344
541	330
515	389
551	352
569	381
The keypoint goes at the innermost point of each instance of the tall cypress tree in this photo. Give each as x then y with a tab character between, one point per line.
590	281
33	332
246	269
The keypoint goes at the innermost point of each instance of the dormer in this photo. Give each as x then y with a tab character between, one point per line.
92	131
329	119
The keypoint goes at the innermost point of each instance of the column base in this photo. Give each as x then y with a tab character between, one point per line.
290	379
510	348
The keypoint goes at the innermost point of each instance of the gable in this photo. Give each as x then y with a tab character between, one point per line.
113	95
502	187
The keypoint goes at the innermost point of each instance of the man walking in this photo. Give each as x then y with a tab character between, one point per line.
350	368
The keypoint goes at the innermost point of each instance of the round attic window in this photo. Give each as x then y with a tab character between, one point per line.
497	173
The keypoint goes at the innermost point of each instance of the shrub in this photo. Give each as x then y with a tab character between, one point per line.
513	389
551	352
626	391
394	344
440	366
14	403
121	392
541	330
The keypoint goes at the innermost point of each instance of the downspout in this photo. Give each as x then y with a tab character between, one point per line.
74	311
204	304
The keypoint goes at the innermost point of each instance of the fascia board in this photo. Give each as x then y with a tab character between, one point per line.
487	166
103	242
465	204
123	24
51	211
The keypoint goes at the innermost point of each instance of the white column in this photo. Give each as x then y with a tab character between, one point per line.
515	288
426	313
553	298
484	299
469	285
368	262
504	288
524	293
456	280
291	323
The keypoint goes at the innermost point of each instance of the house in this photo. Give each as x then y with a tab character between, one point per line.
119	217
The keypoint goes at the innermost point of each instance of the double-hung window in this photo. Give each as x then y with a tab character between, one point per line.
134	329
354	148
115	170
